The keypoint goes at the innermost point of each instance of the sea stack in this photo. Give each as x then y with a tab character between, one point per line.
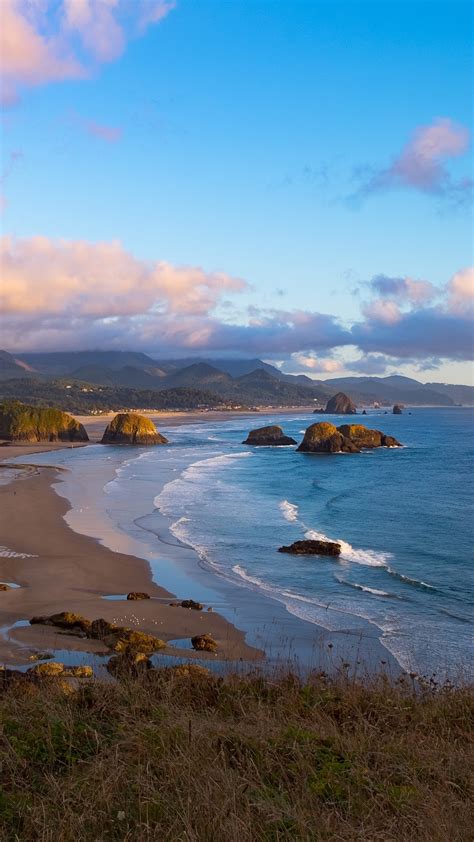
132	428
340	404
272	436
19	422
348	438
397	409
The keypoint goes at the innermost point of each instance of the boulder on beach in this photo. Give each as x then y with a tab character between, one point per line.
126	640
65	620
19	422
132	428
397	409
187	603
268	436
324	437
340	404
312	547
204	643
138	595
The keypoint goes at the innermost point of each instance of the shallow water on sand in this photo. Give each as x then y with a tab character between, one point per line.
404	518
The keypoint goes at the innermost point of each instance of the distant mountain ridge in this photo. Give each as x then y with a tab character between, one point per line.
246	381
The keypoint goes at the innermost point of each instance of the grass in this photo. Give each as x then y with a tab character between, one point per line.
173	757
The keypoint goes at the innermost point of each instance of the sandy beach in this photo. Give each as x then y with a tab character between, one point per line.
59	570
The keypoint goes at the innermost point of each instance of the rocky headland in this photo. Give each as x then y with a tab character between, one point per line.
132	428
268	436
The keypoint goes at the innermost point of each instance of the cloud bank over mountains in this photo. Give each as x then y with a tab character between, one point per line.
58	294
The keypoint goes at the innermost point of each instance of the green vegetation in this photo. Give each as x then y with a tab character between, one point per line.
180	754
82	398
19	422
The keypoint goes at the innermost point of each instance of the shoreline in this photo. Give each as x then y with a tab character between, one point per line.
252	626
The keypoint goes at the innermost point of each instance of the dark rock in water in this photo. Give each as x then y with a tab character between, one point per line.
312	547
324	437
265	436
132	428
4	587
390	441
187	603
364	412
19	422
397	409
138	595
204	643
341	404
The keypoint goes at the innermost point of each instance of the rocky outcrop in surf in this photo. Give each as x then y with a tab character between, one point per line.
19	422
268	436
312	547
132	428
398	409
324	437
340	404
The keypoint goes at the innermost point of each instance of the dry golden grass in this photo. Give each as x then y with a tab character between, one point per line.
197	757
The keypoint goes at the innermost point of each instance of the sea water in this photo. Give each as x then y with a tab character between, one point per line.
403	516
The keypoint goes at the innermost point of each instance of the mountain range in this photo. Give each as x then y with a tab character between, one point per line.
239	381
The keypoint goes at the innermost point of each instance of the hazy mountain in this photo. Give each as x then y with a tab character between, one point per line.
64	362
389	390
11	367
457	393
201	375
136	378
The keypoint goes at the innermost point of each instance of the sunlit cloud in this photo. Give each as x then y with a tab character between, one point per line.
422	163
51	41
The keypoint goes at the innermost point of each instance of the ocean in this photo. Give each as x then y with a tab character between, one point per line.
404	518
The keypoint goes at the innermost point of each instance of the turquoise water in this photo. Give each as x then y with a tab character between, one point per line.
404	518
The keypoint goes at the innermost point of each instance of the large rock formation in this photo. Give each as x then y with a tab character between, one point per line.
19	422
265	436
397	409
340	404
312	547
132	428
324	437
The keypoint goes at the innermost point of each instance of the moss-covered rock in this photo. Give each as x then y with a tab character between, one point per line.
365	438
268	436
126	640
132	428
324	437
19	422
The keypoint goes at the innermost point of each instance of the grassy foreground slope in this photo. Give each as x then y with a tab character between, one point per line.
197	757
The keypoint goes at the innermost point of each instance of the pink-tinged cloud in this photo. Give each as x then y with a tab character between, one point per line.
403	289
421	164
310	363
111	134
71	295
43	42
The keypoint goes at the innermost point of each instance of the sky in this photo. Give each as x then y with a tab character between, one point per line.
289	180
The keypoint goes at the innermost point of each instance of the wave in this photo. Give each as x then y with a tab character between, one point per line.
289	511
369	558
408	580
365	588
5	552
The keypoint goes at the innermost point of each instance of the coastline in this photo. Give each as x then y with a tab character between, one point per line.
245	623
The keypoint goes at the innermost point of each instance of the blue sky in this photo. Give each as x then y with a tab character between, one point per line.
273	142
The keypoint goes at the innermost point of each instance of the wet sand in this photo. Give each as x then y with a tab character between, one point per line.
65	571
